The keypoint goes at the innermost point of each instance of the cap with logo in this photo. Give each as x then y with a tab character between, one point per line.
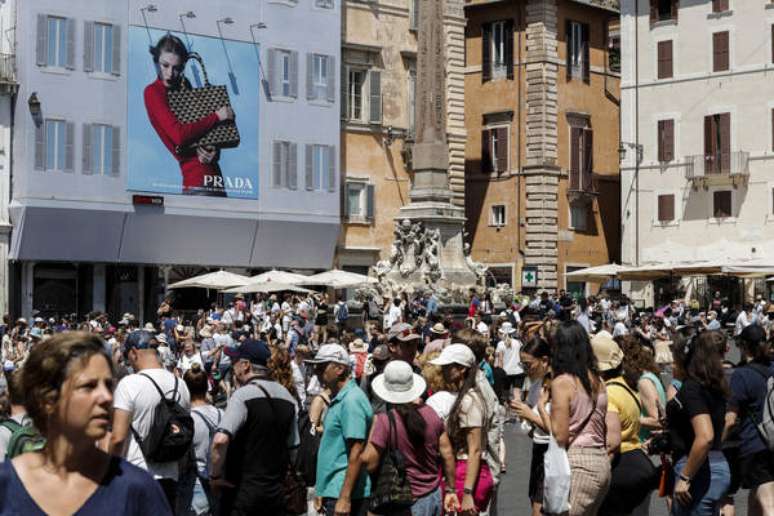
330	353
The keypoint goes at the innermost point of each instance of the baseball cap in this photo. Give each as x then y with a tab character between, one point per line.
455	354
330	353
381	352
607	351
138	340
254	351
8	366
402	332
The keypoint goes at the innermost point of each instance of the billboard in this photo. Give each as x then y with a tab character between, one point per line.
181	135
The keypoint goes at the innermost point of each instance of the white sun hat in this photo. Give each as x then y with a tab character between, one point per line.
399	383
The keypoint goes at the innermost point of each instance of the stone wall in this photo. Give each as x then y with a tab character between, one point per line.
455	98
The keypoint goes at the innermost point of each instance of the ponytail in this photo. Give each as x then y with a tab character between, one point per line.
414	422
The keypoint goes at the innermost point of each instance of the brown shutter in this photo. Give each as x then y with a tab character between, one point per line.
502	149
486	153
721	204
772	129
675	9
575	151
665	59
666	208
568	48
509	49
486	57
710	144
653	11
719	6
724	132
720	52
585	41
772	42
666	140
588	160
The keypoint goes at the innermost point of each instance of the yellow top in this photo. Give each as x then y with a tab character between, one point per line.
621	400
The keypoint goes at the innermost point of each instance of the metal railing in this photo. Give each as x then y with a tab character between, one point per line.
7	68
718	165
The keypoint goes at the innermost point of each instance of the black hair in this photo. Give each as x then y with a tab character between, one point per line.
753	341
537	347
414	422
169	43
572	354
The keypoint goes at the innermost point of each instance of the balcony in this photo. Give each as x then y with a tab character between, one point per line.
723	168
8	82
581	187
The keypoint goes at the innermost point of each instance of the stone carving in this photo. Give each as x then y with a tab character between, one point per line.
431	74
415	249
479	269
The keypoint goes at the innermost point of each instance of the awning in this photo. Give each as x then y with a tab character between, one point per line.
595	274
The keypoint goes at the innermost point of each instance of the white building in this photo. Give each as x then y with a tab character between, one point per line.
698	97
99	222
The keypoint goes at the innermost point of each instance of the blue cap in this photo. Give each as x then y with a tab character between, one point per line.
139	339
255	351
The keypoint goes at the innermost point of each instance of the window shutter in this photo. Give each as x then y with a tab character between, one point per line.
772	129
116	150
575	159
370	208
502	149
86	161
486	52
41	53
665	70
40	147
669	139
509	49
70	44
709	143
568	48
653	11
310	77
292	167
486	151
721	204
330	155
585	35
772	43
661	207
331	67
666	208
344	93
347	212
88	46
720	52
588	155
116	50
294	75
675	9
276	178
69	147
724	131
274	78
375	85
309	176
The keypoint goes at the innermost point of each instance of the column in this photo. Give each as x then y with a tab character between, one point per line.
98	287
28	285
141	292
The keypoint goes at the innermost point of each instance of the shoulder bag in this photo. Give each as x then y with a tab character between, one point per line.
391	491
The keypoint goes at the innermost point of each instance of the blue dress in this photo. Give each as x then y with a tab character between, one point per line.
125	490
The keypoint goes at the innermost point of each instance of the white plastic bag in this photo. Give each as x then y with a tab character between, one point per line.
556	485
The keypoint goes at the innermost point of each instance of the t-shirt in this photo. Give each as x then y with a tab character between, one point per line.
125	490
748	394
423	463
621	400
201	442
137	395
691	400
185	362
442	402
511	357
477	409
5	433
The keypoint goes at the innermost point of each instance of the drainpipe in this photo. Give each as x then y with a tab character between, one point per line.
637	132
520	24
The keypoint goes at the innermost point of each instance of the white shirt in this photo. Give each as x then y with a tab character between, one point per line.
393	316
620	329
742	322
511	357
185	362
137	395
442	402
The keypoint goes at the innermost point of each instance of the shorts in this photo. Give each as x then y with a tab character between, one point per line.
514	381
757	469
537	472
735	467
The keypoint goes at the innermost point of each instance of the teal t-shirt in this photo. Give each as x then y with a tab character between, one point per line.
484	365
656	381
348	417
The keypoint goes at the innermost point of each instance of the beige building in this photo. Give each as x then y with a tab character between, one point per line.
378	68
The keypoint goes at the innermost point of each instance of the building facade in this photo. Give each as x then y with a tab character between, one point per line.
697	98
379	56
542	115
100	218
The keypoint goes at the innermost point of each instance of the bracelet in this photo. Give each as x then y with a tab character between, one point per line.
468	491
684	478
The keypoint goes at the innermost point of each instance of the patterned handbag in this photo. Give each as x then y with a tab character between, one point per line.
191	104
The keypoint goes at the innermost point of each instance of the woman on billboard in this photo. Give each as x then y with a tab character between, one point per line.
199	168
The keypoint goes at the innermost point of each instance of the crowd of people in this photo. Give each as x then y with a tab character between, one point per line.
287	404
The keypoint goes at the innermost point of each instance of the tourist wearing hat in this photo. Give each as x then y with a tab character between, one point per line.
342	485
251	451
439	336
358	356
508	359
378	360
418	433
403	342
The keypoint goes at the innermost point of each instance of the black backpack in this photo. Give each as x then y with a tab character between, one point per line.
172	431
309	444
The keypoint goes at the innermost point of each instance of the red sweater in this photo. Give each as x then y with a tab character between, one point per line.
174	133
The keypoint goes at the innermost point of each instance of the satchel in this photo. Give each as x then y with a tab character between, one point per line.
191	104
391	491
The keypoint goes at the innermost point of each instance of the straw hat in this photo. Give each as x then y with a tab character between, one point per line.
357	346
438	328
399	383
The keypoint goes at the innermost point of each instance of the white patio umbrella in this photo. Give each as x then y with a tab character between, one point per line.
277	276
337	279
213	280
267	288
597	273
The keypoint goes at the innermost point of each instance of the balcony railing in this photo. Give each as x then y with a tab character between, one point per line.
719	168
581	186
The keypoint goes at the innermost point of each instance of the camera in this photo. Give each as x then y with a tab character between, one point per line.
660	443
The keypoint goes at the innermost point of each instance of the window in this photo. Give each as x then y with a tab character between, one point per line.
412	100
581	156
363	95
497	218
355	93
320	168
360	201
614	52
717	143
497	50
99	52
666	208
283	73
579	217
577	51
320	84
719	6
55	144
284	165
414	14
665	62
666	140
721	204
720	52
324	4
494	150
101	149
56	42
663	10
54	141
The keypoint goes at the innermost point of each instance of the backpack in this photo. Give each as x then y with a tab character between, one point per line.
765	426
309	444
343	314
360	361
24	438
211	429
171	432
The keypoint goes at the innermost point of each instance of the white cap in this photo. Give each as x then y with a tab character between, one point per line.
330	353
455	354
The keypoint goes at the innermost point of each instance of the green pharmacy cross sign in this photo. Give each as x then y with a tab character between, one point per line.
529	278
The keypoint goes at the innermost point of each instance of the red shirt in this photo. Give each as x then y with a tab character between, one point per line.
174	134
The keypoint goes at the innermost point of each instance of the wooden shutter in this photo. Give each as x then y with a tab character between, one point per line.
486	151
69	165
276	177
40	146
576	135
724	138
772	43
273	72
331	85
116	50
70	24
88	46
721	204
486	52
309	167
370	199
86	159
772	129
344	92
666	208
509	49
116	150
675	9
719	6
720	51
569	49
292	170
588	160
41	53
330	156
666	140
653	11
585	41
310	93
375	100
710	144
665	70
294	75
502	149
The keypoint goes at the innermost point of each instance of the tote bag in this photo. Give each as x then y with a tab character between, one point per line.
556	485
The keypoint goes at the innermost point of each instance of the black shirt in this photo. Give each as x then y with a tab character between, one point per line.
692	400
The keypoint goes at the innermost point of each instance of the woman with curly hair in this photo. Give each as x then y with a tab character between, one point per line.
281	372
641	374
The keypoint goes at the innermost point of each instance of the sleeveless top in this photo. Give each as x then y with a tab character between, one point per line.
592	435
645	432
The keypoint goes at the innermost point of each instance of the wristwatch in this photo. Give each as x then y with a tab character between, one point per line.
450	490
468	491
685	479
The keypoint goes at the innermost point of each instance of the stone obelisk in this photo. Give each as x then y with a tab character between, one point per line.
430	196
